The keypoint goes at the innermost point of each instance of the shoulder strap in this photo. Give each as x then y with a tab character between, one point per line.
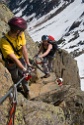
12	45
54	43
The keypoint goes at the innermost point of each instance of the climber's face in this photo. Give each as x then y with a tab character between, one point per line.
45	42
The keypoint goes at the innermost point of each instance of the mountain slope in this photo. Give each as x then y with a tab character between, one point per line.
29	7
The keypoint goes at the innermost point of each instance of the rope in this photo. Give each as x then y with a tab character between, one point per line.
12	114
8	93
36	63
13	106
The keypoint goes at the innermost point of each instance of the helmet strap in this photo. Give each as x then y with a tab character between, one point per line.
19	32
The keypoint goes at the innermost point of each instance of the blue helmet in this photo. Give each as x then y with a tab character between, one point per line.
44	37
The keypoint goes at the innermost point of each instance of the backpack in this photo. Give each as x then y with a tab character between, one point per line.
53	42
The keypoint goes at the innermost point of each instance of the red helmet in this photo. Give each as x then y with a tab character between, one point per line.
18	23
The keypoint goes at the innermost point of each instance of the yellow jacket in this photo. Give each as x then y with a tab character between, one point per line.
18	42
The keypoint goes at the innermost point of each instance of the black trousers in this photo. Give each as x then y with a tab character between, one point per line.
17	73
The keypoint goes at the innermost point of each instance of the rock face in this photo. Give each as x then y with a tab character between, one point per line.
49	103
66	67
5	84
68	98
5	15
43	114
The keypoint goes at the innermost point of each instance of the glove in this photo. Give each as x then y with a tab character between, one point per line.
30	69
25	72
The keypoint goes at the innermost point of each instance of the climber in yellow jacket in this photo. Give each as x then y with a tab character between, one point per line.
13	48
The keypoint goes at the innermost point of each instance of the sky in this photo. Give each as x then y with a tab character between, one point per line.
58	26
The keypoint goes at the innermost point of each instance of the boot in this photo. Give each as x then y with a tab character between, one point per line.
46	76
26	94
